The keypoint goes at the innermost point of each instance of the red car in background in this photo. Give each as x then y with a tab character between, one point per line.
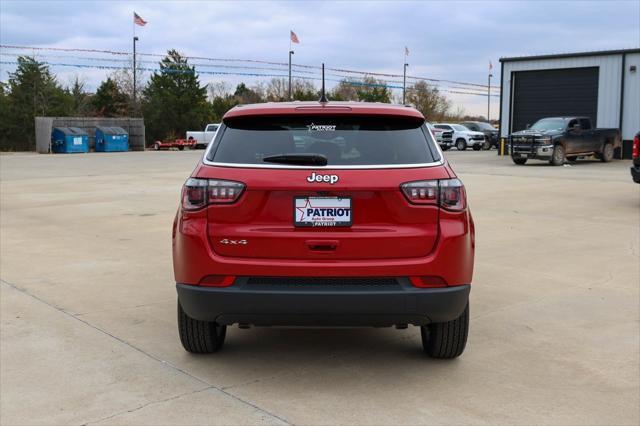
315	213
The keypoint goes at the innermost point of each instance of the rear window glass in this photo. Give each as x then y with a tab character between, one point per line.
344	141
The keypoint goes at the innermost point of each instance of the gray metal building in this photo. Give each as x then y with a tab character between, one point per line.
603	85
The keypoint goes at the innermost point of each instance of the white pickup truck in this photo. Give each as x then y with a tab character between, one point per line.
463	137
203	138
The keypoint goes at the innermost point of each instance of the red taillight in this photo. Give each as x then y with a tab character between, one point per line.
428	282
421	192
636	147
198	193
217	281
447	193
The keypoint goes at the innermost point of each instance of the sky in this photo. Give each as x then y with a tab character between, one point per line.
447	40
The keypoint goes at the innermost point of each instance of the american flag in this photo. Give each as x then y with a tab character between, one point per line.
138	20
294	38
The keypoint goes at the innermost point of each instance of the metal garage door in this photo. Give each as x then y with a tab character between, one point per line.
552	93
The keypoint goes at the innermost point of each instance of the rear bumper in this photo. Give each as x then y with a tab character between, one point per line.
260	304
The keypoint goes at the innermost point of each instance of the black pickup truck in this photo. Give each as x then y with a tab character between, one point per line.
635	165
558	139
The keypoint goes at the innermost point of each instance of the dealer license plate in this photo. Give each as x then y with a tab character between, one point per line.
322	211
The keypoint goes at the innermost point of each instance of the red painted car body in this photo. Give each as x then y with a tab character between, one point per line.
221	249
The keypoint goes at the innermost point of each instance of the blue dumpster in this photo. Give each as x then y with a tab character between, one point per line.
111	139
69	140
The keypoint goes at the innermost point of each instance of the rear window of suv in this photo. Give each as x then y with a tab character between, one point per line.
343	140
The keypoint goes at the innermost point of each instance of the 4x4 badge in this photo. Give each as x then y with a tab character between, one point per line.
322	178
233	242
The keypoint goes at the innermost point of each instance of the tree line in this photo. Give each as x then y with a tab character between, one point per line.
173	100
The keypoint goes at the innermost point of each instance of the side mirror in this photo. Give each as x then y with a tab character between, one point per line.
528	125
576	127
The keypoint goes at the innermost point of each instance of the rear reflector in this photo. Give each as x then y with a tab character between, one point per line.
428	281
217	281
636	147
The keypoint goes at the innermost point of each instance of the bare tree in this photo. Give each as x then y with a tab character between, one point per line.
123	78
218	89
428	100
277	90
344	91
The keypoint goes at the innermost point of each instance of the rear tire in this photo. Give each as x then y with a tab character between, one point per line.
200	337
477	147
607	153
461	144
486	146
519	161
446	340
180	148
557	158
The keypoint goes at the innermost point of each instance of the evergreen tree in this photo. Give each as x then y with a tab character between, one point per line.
32	91
174	101
110	101
81	101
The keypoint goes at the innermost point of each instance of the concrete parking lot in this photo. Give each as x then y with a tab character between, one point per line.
88	321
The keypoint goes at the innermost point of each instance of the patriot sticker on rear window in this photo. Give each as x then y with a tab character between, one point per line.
321	127
322	211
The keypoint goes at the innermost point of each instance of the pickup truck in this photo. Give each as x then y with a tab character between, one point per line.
490	133
203	138
558	139
635	165
444	138
462	136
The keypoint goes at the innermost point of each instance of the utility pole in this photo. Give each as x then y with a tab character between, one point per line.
489	98
135	39
404	82
290	53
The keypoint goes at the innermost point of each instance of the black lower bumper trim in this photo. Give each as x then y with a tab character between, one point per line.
315	305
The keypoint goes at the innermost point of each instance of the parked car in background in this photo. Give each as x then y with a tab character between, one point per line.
490	133
463	137
557	139
443	137
635	166
203	138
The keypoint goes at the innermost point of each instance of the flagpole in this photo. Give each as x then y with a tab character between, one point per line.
489	97
290	53
134	59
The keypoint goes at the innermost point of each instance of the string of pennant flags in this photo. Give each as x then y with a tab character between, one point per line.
229	73
300	68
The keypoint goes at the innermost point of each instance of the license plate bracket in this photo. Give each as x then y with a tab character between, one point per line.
322	212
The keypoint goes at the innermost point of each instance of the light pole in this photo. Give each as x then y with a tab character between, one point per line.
404	82
290	53
489	98
135	39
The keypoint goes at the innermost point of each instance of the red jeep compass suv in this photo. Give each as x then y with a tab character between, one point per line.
311	213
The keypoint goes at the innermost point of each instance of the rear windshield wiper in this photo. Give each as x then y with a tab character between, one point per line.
302	159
